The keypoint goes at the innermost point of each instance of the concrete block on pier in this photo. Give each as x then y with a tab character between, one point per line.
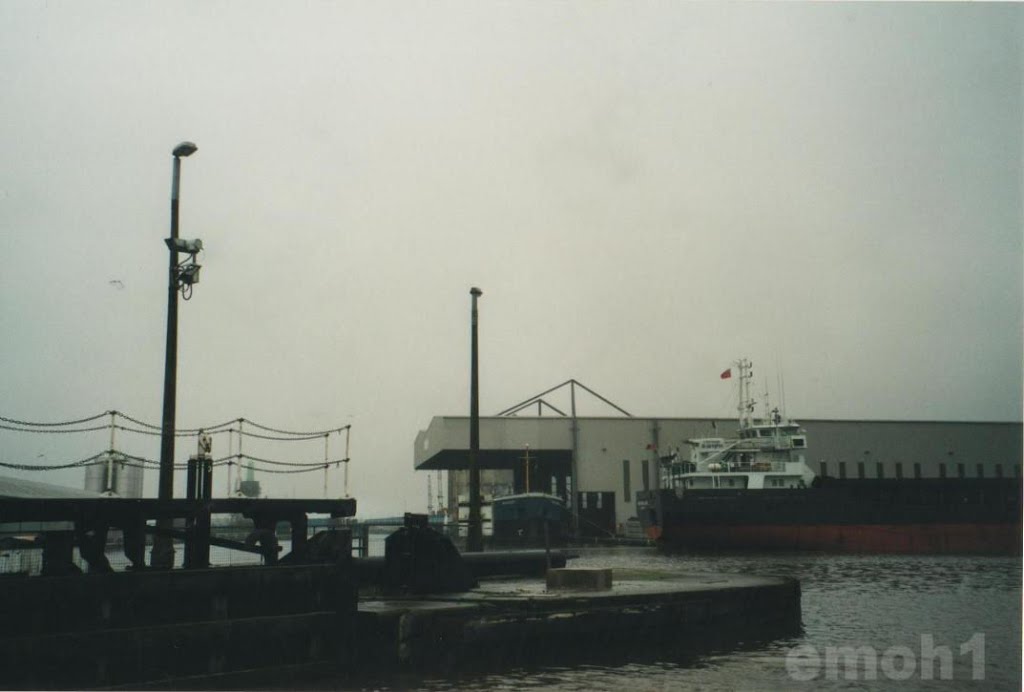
579	579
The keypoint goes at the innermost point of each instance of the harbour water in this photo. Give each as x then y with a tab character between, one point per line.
869	622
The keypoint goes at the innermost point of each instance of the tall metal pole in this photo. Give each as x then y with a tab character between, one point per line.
163	549
475	538
574	493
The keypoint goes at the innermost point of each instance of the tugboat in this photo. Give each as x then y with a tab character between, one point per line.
756	491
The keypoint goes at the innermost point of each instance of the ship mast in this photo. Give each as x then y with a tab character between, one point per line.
740	400
746	404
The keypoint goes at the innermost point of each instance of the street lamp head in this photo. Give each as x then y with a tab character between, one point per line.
185	149
475	291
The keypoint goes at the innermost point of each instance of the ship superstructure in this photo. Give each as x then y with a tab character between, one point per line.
768	452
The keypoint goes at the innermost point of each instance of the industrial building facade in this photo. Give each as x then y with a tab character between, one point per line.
615	457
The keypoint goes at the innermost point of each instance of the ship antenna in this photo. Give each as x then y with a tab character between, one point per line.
782	392
781	383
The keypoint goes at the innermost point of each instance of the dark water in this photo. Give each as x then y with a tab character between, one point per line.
941	623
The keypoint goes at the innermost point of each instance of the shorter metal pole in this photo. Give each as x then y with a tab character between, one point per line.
348	435
326	436
231	446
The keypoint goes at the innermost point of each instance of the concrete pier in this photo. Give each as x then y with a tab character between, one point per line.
422	607
215	627
517	621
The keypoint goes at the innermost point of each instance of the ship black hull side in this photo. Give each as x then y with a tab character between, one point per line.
981	516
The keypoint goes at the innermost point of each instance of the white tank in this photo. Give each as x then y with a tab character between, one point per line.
95	478
126	481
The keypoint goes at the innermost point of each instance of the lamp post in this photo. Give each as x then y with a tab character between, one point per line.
475	539
163	548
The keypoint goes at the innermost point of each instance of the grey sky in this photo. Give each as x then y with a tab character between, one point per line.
644	191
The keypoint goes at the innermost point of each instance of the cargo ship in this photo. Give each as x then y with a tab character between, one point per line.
756	491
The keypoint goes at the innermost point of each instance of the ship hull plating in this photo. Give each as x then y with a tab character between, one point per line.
926	516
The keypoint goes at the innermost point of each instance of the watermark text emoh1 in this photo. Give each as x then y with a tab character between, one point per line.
930	661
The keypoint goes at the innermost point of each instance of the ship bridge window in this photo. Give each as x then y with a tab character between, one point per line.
799	442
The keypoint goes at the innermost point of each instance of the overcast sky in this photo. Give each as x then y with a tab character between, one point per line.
644	192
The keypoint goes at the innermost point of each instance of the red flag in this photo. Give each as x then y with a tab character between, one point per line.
727	374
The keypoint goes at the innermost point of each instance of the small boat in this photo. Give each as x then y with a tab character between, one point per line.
529	520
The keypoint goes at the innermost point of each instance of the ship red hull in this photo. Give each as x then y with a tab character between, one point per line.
931	538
